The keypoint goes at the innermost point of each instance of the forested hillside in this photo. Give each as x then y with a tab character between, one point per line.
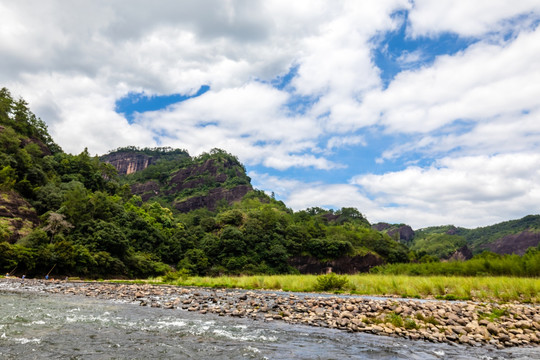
509	237
74	213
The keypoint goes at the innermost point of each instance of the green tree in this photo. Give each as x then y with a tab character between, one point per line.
195	261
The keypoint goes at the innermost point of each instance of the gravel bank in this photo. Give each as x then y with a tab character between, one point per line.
475	324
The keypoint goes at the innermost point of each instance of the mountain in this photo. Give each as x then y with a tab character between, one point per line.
401	232
509	237
172	177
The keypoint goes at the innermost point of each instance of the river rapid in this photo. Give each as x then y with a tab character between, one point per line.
48	326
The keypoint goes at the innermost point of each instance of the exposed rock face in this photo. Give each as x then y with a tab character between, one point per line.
146	190
208	178
463	253
191	176
515	243
128	162
406	233
17	216
342	265
214	196
44	148
452	231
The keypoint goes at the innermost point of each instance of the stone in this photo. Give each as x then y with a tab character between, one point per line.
319	311
464	339
458	330
376	329
493	329
346	314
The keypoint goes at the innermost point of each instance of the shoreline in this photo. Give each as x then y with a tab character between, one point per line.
467	323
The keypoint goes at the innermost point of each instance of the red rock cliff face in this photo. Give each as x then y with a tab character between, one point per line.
195	176
214	196
515	243
406	233
127	163
17	216
209	177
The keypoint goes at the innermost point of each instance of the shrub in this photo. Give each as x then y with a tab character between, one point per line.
330	282
172	276
410	324
394	319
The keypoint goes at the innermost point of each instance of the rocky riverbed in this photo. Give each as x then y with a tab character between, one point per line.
469	323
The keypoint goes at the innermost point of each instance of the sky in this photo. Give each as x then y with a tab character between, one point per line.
419	112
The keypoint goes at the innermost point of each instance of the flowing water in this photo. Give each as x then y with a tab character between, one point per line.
41	326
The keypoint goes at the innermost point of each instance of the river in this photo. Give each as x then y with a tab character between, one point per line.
47	326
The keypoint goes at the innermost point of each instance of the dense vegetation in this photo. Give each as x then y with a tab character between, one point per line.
483	235
442	241
484	264
91	225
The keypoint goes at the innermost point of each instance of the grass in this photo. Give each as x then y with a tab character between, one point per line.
494	314
479	288
394	319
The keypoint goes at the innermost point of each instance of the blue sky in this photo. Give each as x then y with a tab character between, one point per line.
415	112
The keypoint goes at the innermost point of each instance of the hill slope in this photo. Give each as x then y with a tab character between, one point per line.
173	178
509	237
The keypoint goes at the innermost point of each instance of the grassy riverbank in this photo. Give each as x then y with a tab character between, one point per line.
480	288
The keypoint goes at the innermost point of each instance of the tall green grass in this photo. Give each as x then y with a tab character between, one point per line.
481	265
481	288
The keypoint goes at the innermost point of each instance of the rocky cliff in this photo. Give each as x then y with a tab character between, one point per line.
17	217
463	253
213	198
404	233
129	162
184	182
514	243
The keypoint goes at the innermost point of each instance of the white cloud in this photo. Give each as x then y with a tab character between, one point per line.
250	121
466	191
467	18
300	195
409	59
474	113
342	141
484	81
470	191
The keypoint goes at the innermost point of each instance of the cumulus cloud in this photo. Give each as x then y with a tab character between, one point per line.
301	195
479	83
467	18
468	191
472	190
458	117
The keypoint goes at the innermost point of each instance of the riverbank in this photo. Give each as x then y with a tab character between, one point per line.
470	323
475	288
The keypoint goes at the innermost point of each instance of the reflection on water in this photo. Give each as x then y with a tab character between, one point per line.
36	326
